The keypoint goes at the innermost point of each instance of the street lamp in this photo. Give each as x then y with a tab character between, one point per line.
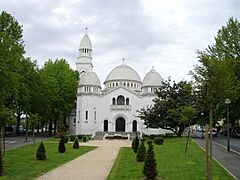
202	123
227	102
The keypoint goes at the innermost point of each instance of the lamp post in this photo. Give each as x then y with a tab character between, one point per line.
227	102
202	123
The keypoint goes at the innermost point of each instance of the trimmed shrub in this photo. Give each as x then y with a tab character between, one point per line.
158	140
135	144
84	139
72	137
65	138
80	136
41	152
76	144
152	136
150	165
141	152
61	147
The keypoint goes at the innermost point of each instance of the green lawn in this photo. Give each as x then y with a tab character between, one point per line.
172	164
21	163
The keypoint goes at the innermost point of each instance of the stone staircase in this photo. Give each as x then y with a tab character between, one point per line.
99	135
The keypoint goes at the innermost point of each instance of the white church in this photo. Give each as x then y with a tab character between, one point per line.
112	108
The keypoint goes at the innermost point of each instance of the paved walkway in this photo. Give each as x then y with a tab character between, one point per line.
94	165
230	160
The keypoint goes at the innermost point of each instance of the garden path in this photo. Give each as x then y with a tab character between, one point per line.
94	165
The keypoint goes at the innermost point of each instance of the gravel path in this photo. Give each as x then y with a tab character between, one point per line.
94	165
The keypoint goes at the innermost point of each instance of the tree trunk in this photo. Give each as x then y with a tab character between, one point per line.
55	126
50	128
18	122
1	157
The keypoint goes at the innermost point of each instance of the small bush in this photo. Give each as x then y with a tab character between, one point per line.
65	138
80	136
84	139
141	152
158	140
152	136
150	165
61	147
41	152
72	137
76	144
135	144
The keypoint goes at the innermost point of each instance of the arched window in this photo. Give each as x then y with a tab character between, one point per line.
113	101
127	101
120	100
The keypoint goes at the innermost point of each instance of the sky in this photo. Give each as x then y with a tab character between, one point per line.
160	33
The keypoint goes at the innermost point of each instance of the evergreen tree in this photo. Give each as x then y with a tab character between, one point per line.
76	144
41	152
150	165
61	147
141	152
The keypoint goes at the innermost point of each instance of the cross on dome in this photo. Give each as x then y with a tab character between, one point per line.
86	29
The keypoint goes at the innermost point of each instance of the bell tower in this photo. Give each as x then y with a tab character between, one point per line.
84	61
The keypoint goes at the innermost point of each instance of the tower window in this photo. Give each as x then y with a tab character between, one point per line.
124	84
128	84
86	116
95	115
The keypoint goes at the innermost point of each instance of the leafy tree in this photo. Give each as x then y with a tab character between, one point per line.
150	165
58	90
217	76
166	111
61	147
41	152
76	144
11	51
141	152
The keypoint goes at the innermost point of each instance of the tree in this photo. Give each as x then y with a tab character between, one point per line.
41	152
76	143
217	76
141	152
11	51
61	147
166	110
59	85
150	165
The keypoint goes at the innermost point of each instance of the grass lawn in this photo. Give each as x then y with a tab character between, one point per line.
172	164
21	163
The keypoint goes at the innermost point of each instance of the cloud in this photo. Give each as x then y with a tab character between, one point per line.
163	34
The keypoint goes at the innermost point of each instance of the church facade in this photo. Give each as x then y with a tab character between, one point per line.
112	108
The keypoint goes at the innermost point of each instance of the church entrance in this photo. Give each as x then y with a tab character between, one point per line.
105	126
120	124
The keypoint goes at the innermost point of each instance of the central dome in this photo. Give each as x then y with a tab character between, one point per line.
123	72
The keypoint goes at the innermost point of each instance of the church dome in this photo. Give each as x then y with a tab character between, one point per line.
85	43
152	78
123	72
89	78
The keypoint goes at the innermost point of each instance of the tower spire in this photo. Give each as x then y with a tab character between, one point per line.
86	29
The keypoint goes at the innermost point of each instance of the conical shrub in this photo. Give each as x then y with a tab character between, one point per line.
76	144
141	152
61	146
135	144
41	152
150	165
